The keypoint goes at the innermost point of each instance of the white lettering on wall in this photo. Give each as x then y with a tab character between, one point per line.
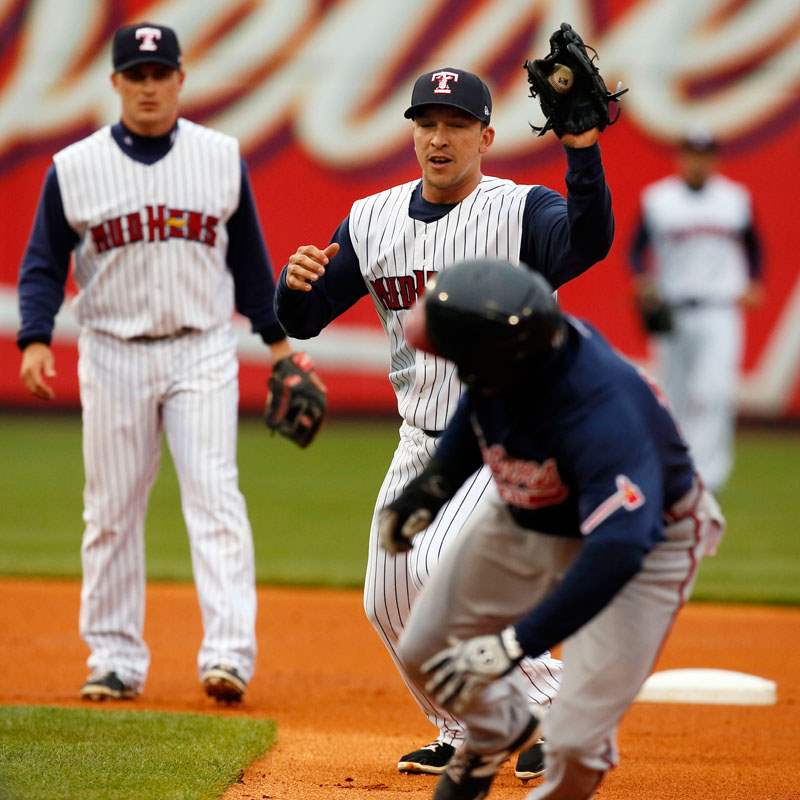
331	75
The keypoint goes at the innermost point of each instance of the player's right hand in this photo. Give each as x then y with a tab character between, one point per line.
463	670
307	264
37	364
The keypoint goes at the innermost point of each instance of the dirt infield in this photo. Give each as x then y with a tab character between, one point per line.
344	716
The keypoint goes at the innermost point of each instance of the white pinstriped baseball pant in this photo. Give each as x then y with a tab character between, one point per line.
393	582
131	392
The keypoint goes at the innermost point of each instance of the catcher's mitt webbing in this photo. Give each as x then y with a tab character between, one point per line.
571	92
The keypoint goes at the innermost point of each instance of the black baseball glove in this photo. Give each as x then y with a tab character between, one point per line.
572	93
296	399
415	507
655	314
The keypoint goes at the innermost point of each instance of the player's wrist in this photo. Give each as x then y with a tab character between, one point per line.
280	349
514	651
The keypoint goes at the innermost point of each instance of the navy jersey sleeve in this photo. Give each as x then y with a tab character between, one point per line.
621	507
640	243
248	261
563	238
753	251
305	314
458	450
45	266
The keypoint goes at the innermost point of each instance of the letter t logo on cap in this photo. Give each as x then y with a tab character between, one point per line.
148	37
444	79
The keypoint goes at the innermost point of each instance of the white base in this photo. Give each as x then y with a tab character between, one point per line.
715	686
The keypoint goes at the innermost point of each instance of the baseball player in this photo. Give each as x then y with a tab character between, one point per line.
706	264
159	217
593	536
387	247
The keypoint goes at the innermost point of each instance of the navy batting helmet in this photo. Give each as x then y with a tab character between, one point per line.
493	319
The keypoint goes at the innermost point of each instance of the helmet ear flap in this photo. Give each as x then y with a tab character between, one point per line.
415	328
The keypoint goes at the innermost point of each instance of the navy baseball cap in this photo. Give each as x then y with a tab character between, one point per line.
145	43
451	87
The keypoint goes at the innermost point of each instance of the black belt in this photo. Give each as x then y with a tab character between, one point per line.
696	302
432	434
165	338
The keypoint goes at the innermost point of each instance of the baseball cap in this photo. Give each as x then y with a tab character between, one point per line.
145	43
451	87
699	140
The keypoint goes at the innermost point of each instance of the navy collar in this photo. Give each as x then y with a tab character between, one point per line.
423	210
144	149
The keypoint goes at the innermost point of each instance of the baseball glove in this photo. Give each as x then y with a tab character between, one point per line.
296	399
572	93
655	314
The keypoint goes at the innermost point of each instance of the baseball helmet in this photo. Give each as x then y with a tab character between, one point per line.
493	319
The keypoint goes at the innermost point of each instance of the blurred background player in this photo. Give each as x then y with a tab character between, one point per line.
160	218
388	246
696	257
593	537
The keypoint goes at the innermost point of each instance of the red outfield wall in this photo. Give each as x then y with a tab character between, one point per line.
315	93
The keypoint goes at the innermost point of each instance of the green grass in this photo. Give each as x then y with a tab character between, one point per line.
310	509
759	558
48	753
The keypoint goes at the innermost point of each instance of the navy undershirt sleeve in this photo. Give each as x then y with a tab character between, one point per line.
304	314
620	503
601	569
753	251
45	266
563	238
639	246
248	261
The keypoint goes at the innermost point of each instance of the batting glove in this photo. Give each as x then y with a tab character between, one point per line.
414	509
462	671
396	530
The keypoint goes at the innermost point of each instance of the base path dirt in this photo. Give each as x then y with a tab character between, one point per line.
344	716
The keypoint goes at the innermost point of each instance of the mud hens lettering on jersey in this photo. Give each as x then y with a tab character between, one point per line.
155	223
522	483
397	292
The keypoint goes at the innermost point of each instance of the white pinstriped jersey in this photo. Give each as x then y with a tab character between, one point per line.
398	254
697	238
151	259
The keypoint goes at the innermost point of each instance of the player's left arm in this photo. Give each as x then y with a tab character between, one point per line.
621	518
612	553
754	252
248	260
562	238
297	398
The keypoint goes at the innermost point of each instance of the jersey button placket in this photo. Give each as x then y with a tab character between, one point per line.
154	293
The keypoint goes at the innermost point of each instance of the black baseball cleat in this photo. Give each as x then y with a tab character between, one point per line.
530	763
428	760
107	686
223	683
469	776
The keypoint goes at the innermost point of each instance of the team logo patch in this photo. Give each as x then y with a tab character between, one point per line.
148	36
525	484
442	80
628	496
